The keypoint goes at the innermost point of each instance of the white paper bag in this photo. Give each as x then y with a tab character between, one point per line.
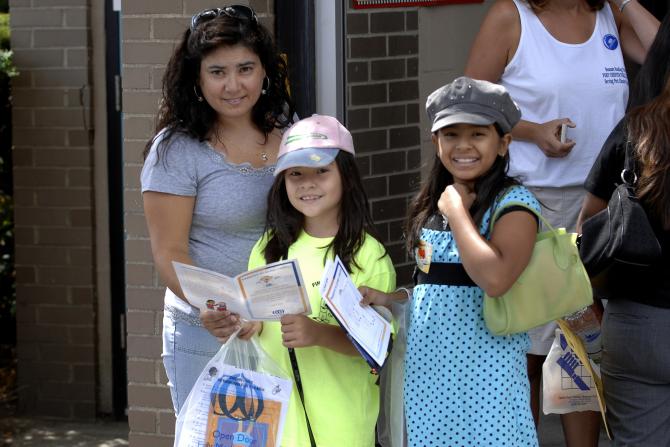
567	385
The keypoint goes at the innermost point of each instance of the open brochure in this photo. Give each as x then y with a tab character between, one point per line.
266	293
578	348
369	331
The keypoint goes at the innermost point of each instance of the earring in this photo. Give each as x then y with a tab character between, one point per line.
264	89
195	90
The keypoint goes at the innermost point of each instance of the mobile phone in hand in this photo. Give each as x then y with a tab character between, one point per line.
564	133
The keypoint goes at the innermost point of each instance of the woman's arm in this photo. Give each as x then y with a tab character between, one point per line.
591	205
496	264
637	29
495	43
493	48
169	222
169	219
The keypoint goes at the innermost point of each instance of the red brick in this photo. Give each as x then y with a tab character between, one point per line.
69	275
65	315
47	408
45	137
67	77
83	373
145	298
80	178
81	218
68	391
81	257
60	38
41	294
142	421
136	226
135	29
67	354
132	7
32	18
38	97
166	422
132	200
139	274
39	371
44	334
142	323
25	274
70	158
147	52
24	197
144	346
83	335
155	396
41	217
138	250
141	371
69	237
58	118
81	295
42	255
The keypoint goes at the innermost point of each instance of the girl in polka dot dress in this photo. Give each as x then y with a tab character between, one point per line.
464	386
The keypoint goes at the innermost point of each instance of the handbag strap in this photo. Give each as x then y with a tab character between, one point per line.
499	210
298	384
628	165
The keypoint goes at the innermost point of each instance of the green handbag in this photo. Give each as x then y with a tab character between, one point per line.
553	285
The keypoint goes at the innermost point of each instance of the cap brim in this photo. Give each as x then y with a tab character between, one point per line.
310	157
461	118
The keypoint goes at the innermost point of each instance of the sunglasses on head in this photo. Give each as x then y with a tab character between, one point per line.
240	12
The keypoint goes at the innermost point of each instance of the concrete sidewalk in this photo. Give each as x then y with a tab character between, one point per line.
22	432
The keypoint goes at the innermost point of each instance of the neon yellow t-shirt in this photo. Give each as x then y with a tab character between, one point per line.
341	397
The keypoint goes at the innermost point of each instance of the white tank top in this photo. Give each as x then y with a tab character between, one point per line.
550	79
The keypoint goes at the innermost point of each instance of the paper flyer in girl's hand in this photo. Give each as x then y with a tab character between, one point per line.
368	328
263	294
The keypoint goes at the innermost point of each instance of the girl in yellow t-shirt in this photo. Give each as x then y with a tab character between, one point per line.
317	208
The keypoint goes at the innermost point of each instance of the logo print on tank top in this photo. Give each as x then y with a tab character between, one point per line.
611	42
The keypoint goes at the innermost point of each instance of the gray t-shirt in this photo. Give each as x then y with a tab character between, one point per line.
230	199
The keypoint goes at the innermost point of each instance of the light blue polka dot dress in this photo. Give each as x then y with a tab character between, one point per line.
463	385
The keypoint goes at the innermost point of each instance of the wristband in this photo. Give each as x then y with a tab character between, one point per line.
623	4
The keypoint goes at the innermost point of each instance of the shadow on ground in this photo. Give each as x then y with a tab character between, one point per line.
33	432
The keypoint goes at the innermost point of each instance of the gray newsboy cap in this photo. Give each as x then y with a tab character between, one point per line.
471	101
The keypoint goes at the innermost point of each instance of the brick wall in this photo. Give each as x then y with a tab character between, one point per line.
383	114
150	29
54	208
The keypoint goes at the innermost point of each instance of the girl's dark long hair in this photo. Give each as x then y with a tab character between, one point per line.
424	205
284	223
649	129
180	110
648	126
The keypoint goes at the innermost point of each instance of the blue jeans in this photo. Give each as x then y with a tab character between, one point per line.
187	347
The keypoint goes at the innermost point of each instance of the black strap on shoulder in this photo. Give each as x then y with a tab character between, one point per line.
298	384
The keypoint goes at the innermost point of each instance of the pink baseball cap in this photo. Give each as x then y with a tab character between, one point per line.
313	142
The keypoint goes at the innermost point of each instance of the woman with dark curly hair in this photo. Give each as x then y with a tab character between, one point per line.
208	170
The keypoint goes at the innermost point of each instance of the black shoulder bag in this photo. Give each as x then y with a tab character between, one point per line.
620	238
